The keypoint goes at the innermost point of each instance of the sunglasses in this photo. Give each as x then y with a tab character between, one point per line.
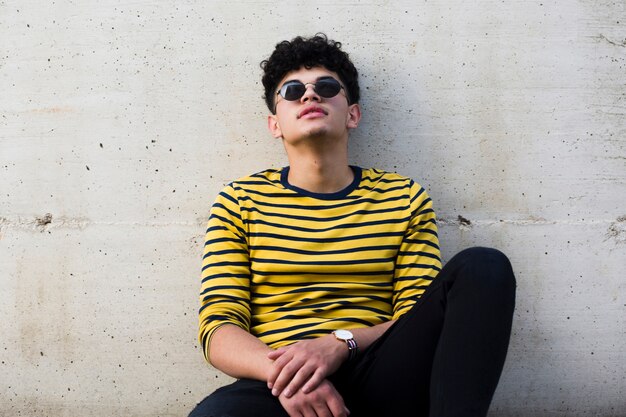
325	87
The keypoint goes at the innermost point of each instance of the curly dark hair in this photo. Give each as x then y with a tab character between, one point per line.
308	52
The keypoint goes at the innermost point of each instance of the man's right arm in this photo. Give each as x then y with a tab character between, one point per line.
239	354
225	315
225	286
225	312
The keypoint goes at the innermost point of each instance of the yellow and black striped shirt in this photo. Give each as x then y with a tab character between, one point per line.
286	264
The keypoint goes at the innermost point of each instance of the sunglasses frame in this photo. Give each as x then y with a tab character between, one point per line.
298	82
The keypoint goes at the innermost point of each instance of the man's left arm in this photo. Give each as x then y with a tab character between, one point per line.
308	362
419	259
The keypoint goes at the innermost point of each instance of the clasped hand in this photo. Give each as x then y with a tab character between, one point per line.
303	367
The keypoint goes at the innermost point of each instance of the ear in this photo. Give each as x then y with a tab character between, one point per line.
354	116
273	126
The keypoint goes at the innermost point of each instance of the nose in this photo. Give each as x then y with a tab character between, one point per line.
309	93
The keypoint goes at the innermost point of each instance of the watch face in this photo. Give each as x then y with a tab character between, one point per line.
343	334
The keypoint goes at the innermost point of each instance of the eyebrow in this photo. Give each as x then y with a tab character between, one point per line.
323	77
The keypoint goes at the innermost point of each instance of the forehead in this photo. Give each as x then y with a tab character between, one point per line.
308	75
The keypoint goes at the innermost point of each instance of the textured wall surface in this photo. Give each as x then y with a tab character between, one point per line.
120	121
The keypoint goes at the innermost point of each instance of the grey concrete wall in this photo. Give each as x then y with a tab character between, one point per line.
120	121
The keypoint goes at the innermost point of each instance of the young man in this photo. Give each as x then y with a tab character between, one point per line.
322	286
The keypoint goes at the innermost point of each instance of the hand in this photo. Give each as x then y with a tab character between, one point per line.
305	364
323	401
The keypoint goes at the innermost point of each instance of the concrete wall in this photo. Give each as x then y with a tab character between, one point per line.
120	121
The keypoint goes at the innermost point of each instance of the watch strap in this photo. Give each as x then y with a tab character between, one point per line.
353	349
347	337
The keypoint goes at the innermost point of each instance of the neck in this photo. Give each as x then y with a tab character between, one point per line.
320	173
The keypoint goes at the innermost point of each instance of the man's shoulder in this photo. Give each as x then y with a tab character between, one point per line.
267	176
270	177
375	175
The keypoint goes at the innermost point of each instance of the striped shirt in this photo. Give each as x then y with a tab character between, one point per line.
286	264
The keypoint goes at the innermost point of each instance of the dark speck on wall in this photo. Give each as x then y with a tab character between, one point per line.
464	221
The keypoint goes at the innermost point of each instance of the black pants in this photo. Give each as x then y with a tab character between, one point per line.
443	358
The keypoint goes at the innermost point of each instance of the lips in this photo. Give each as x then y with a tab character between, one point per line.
312	110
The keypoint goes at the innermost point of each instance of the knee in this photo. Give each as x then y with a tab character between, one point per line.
484	253
491	266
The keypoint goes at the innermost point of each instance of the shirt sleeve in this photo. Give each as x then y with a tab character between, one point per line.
225	286
419	260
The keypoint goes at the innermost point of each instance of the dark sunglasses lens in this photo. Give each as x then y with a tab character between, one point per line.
292	91
327	88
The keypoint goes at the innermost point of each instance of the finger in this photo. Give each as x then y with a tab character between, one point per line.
314	381
297	413
298	380
286	375
322	410
308	412
275	354
277	368
293	411
337	406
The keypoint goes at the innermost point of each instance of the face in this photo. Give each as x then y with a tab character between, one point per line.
312	116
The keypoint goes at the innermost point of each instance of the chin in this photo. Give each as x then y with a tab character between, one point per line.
316	133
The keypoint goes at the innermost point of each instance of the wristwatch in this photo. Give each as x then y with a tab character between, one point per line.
347	337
